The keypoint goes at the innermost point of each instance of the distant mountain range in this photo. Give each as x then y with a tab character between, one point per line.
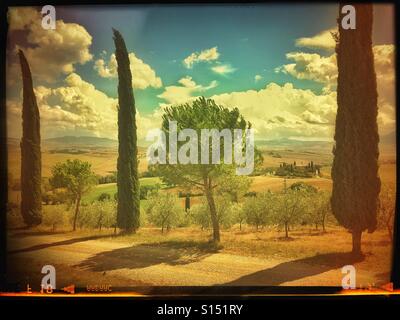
292	144
81	141
283	143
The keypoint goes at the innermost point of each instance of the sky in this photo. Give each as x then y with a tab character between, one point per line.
276	63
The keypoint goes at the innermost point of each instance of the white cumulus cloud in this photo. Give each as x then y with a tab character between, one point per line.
204	55
186	91
143	76
50	53
76	108
322	40
257	77
223	69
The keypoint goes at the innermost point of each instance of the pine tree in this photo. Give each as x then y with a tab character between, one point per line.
127	179
356	182
31	159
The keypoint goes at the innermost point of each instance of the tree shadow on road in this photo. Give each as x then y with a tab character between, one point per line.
297	269
59	243
36	233
145	255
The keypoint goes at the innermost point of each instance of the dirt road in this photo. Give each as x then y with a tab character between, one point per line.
102	260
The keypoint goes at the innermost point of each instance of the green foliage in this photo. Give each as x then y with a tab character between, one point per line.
317	207
238	214
163	210
201	216
387	209
290	208
98	215
201	114
110	178
75	176
233	186
128	210
292	170
56	216
301	186
356	183
146	189
258	210
104	197
56	196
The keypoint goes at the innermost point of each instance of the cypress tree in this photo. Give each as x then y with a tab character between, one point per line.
31	160
356	183
128	208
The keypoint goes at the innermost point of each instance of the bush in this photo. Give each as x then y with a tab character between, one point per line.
56	216
56	196
47	197
302	186
145	190
163	210
104	197
200	213
290	208
317	208
98	215
111	178
238	214
387	209
259	209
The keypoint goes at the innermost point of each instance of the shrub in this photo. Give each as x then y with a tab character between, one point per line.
238	214
163	210
200	213
56	216
104	197
317	208
258	210
387	207
290	208
98	215
145	190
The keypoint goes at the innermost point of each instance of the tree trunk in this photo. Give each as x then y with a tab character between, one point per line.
286	230
323	224
213	211
356	236
78	202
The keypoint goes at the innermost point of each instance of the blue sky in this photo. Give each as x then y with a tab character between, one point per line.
252	39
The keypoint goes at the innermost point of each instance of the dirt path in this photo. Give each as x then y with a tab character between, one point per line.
99	260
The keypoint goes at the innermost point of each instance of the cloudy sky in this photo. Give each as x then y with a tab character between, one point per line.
276	63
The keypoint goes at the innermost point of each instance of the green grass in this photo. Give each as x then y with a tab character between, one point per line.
111	188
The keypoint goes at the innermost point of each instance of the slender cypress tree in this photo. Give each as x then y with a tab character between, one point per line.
128	210
356	183
31	160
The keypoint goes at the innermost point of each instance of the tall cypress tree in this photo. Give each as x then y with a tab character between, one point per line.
127	178
31	160
356	183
